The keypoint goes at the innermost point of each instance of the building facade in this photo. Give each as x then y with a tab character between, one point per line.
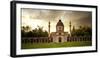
59	36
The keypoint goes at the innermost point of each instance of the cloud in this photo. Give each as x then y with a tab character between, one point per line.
77	17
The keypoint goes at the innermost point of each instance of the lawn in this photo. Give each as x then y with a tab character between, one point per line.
55	45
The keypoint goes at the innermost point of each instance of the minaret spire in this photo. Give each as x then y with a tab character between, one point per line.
70	25
49	29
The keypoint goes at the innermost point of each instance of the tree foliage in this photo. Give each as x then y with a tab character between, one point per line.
82	31
37	32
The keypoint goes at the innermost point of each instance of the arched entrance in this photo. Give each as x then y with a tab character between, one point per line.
59	39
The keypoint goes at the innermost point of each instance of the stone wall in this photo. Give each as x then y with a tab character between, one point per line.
79	38
48	40
35	40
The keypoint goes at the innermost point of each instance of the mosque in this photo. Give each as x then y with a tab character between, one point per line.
59	35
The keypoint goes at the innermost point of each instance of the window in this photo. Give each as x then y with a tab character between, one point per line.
59	33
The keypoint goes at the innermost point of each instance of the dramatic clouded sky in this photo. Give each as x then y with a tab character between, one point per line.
40	17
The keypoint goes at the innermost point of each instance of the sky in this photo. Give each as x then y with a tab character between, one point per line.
40	17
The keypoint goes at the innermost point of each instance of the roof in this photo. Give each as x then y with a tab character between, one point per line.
60	23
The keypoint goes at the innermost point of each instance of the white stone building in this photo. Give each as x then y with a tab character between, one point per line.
58	36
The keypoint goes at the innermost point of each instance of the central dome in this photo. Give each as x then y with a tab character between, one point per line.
60	23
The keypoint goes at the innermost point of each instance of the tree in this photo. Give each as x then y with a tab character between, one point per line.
82	31
37	32
26	28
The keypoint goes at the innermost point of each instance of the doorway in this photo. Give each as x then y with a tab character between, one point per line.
59	39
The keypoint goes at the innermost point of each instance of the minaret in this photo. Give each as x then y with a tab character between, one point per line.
70	27
49	29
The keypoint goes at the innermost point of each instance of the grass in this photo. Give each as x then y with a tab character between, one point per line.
55	45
